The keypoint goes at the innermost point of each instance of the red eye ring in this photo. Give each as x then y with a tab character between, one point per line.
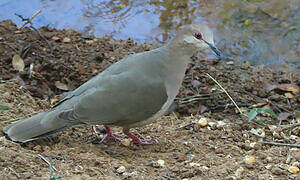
198	36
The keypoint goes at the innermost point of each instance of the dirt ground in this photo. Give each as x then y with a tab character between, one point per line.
227	147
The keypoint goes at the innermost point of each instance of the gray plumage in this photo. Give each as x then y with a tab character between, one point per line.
132	92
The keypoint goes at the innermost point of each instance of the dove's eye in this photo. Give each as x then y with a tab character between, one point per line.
198	36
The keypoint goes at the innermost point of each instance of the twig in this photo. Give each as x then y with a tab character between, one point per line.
226	93
30	19
224	106
174	114
281	144
198	95
273	104
258	135
51	167
183	126
12	170
49	44
9	46
290	126
43	158
194	99
167	176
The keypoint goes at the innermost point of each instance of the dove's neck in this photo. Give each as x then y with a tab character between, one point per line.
175	64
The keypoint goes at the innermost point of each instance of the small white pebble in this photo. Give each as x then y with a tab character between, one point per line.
238	173
268	166
252	145
297	164
121	169
269	159
161	162
205	168
293	137
2	139
221	124
261	132
128	174
272	127
212	124
258	132
192	164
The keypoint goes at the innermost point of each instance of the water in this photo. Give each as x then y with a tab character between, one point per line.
259	31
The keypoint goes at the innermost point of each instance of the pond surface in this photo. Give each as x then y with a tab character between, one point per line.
261	32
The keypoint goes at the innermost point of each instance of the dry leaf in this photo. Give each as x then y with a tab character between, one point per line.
55	38
258	105
94	69
126	142
18	63
289	95
61	86
284	87
289	87
270	87
267	107
81	69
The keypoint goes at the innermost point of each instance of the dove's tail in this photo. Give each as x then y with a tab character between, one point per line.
38	126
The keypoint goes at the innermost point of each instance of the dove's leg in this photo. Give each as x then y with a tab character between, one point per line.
109	135
136	139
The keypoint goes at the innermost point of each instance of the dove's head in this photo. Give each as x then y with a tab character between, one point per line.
195	37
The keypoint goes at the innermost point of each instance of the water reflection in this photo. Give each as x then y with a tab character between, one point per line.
261	32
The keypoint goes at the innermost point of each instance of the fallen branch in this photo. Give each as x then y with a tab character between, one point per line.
290	126
281	144
194	99
30	19
198	96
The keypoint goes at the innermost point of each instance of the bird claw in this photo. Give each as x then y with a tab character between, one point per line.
107	135
110	135
137	140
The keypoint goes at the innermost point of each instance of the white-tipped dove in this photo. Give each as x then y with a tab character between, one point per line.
132	92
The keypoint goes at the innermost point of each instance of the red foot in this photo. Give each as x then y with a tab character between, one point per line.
109	135
135	139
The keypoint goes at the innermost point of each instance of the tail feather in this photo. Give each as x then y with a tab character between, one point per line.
40	125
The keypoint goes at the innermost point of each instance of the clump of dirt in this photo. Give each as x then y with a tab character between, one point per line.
204	138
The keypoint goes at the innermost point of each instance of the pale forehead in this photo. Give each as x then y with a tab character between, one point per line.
197	28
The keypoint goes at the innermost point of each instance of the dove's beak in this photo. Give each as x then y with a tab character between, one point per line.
213	48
